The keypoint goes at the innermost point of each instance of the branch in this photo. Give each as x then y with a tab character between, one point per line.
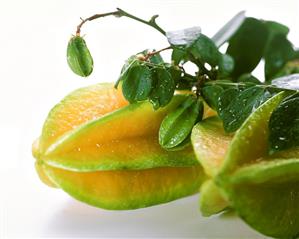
150	54
121	13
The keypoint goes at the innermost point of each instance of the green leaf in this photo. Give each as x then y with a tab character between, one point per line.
185	83
289	68
278	53
179	55
249	78
177	125
284	125
79	58
137	83
211	95
125	69
226	66
235	108
228	30
156	59
276	28
225	99
186	143
290	82
163	87
204	50
175	71
228	84
247	45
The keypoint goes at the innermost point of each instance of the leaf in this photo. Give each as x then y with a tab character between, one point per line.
125	69
211	95
235	108
186	143
275	28
163	89
179	55
204	50
228	84
185	83
175	71
137	83
278	53
225	99
133	60
290	82
284	125
183	37
79	58
249	78
247	45
177	125
226	65
291	67
228	30
156	59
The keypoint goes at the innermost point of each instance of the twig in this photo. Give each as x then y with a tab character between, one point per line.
150	54
121	13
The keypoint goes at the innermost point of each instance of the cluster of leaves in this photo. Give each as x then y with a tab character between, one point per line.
223	80
151	79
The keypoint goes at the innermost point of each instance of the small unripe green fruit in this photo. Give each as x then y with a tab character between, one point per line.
78	57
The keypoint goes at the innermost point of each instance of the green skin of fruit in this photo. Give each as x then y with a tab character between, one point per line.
211	200
58	156
78	57
262	189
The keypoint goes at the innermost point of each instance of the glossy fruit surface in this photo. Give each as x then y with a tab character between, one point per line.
262	189
106	153
128	189
210	143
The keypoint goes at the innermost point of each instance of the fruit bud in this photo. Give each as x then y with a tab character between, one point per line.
78	57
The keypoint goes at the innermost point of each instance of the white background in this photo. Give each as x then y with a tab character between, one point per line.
34	76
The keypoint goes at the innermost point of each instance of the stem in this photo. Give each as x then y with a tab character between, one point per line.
96	16
236	84
150	54
122	13
204	70
151	22
187	74
244	84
